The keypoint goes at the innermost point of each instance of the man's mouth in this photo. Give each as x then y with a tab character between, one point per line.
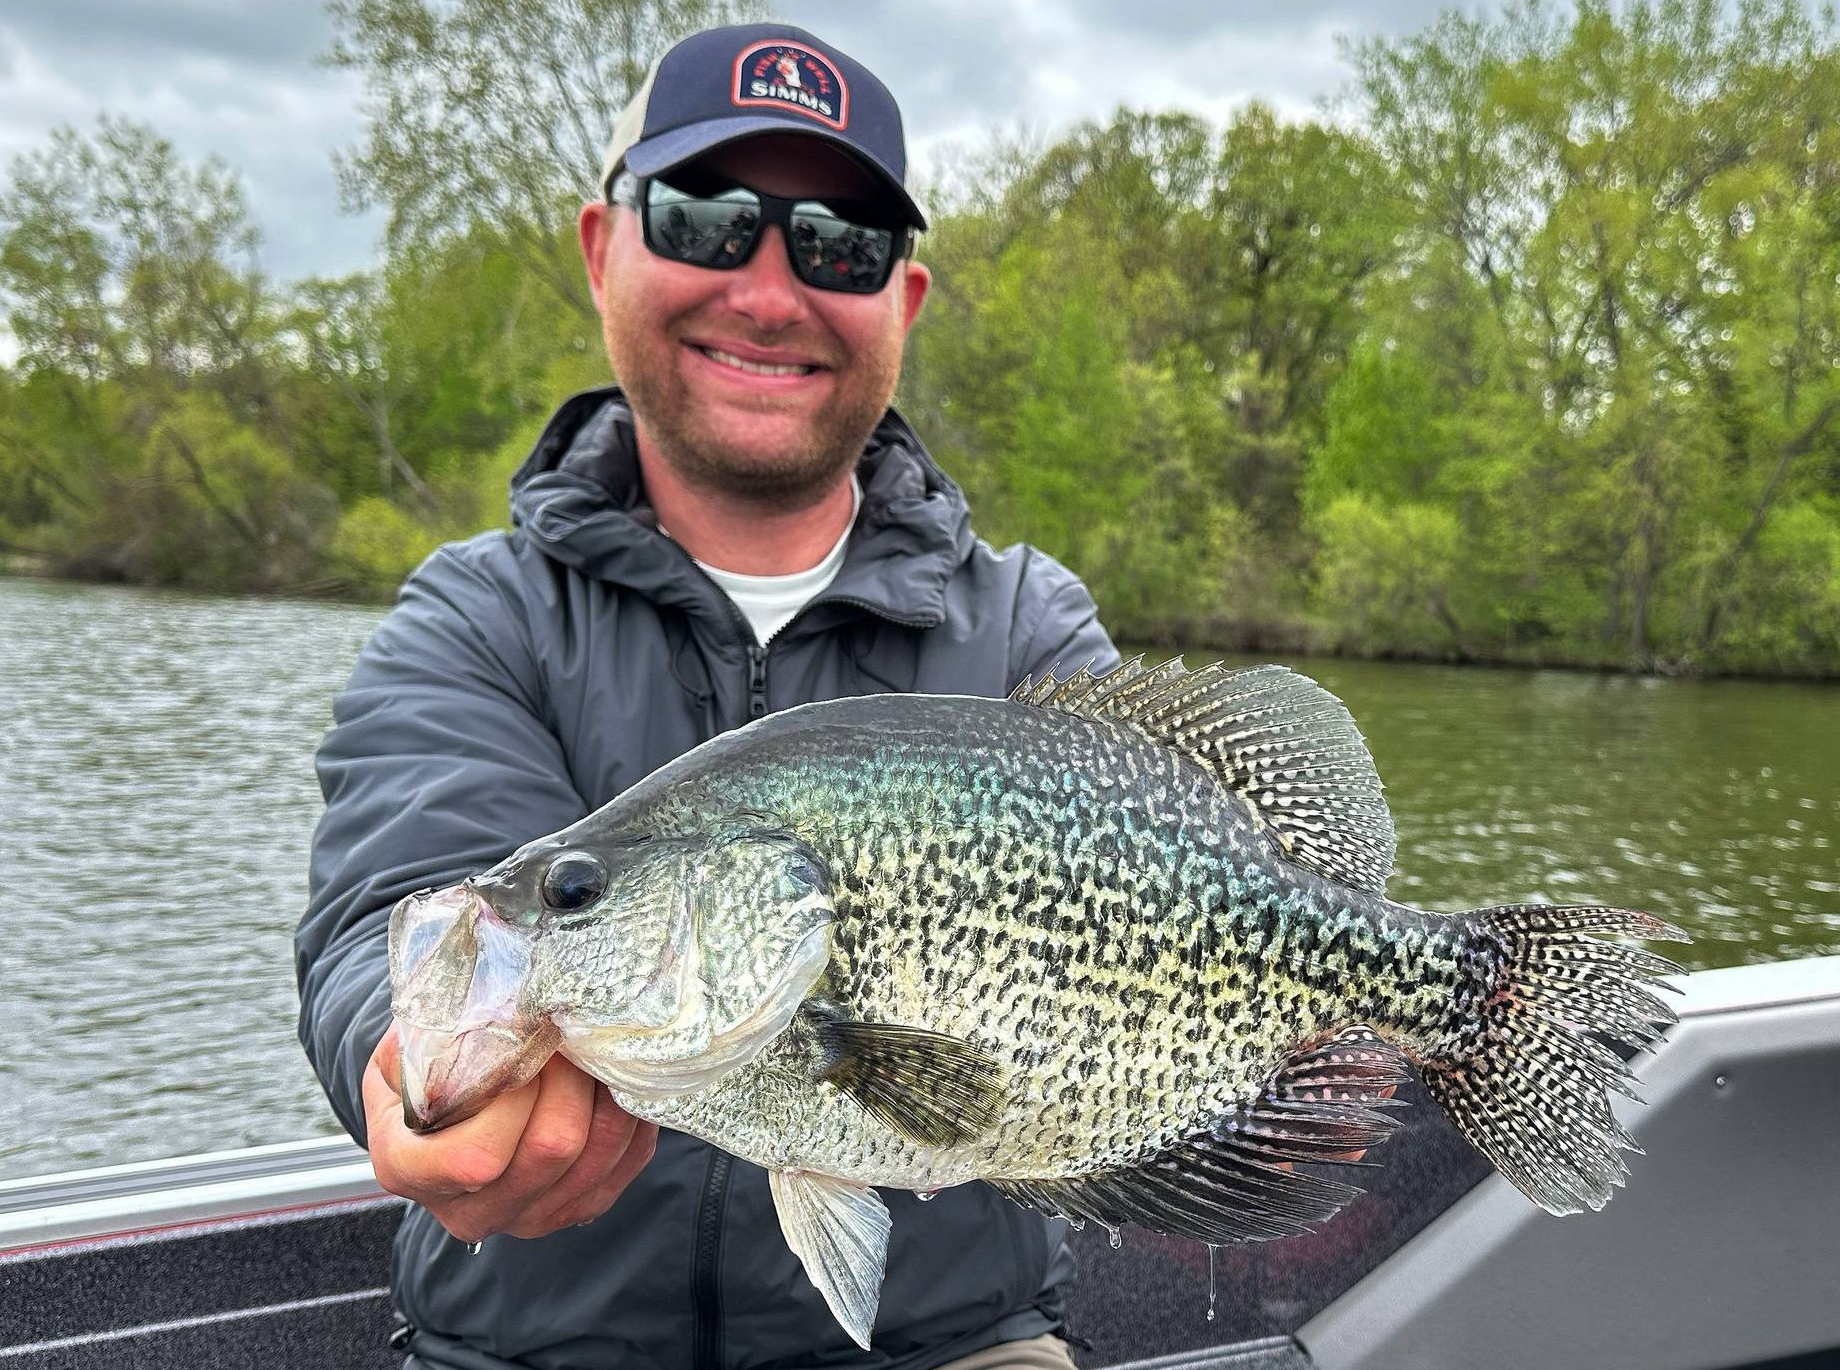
754	368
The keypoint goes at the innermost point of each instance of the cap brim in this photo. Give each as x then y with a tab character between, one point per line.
662	152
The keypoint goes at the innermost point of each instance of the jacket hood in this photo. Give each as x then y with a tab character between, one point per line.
579	499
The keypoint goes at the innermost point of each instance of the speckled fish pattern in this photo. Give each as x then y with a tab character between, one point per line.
1119	945
1092	907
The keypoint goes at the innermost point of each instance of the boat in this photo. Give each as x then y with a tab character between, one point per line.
1722	1253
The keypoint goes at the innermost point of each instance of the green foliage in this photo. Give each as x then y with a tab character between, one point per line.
1096	445
1636	195
1532	354
1389	429
1125	355
377	543
174	419
493	114
198	500
1785	613
119	258
1385	573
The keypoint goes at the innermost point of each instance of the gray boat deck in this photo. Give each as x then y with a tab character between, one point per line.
1723	1253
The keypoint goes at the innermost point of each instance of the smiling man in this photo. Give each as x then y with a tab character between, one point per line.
742	525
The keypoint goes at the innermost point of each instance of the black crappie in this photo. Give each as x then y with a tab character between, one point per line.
1119	946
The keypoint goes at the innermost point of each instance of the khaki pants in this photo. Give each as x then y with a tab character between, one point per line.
1046	1352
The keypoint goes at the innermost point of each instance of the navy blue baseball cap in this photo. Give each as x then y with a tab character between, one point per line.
725	84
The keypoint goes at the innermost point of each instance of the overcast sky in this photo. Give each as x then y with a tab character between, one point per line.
237	78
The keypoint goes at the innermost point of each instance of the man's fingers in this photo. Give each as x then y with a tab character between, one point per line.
610	1185
609	1132
638	1155
555	1152
381	1099
554	1134
618	1146
463	1159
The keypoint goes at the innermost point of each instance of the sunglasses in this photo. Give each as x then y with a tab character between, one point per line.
703	220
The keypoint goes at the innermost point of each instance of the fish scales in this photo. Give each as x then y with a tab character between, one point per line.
1119	945
948	826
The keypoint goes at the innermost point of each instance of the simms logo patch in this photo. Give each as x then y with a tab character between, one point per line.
792	76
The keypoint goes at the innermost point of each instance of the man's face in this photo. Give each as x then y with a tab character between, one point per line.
749	382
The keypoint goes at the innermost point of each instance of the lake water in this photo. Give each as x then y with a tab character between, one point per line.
157	798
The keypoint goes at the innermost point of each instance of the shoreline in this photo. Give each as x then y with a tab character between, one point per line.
1271	639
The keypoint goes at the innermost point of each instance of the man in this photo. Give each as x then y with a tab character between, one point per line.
743	526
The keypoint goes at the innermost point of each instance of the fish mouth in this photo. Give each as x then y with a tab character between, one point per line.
447	1077
457	978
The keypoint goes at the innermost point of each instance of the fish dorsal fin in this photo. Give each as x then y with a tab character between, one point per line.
1277	739
839	1232
1232	1181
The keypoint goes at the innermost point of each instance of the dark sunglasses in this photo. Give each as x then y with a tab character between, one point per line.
833	244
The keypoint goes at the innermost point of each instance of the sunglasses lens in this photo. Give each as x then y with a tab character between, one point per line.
834	252
702	230
708	222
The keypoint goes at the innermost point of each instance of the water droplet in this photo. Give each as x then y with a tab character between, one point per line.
1718	1082
1213	1251
926	1195
1117	1237
474	1248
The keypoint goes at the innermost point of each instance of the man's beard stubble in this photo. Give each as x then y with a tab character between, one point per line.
793	477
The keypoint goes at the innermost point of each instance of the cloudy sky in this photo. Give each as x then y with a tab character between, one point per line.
237	78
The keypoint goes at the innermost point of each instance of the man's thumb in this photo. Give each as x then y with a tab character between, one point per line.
387	1058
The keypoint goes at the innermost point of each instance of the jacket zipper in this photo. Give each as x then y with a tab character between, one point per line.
706	1265
706	1268
879	611
757	683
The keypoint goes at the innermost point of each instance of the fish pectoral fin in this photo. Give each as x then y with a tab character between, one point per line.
839	1231
933	1089
1232	1181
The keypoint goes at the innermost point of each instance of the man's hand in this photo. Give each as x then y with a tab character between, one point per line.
554	1153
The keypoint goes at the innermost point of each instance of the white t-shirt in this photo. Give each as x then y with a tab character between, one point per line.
770	602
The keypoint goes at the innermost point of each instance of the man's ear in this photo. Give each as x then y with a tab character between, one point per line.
915	279
595	227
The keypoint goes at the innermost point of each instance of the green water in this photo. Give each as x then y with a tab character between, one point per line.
157	798
1713	803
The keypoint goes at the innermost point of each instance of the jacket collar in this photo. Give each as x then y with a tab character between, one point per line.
578	498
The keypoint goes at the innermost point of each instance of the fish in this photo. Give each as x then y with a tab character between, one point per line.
1118	945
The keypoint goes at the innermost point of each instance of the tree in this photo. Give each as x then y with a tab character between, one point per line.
495	113
121	259
1638	191
1305	220
142	441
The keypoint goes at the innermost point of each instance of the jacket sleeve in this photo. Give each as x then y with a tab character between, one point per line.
438	765
1056	624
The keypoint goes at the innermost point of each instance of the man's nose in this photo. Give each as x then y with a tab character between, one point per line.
765	290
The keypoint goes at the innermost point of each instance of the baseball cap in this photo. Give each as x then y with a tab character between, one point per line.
724	84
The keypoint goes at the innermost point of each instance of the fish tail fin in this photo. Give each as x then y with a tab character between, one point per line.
1527	1069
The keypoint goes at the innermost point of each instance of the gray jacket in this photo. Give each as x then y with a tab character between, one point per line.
524	680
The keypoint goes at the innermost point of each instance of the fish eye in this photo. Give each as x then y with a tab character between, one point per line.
573	881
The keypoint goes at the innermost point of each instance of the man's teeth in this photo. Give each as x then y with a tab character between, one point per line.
754	368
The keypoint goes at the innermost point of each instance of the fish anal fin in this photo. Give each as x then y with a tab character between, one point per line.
839	1232
1232	1180
931	1088
1277	739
